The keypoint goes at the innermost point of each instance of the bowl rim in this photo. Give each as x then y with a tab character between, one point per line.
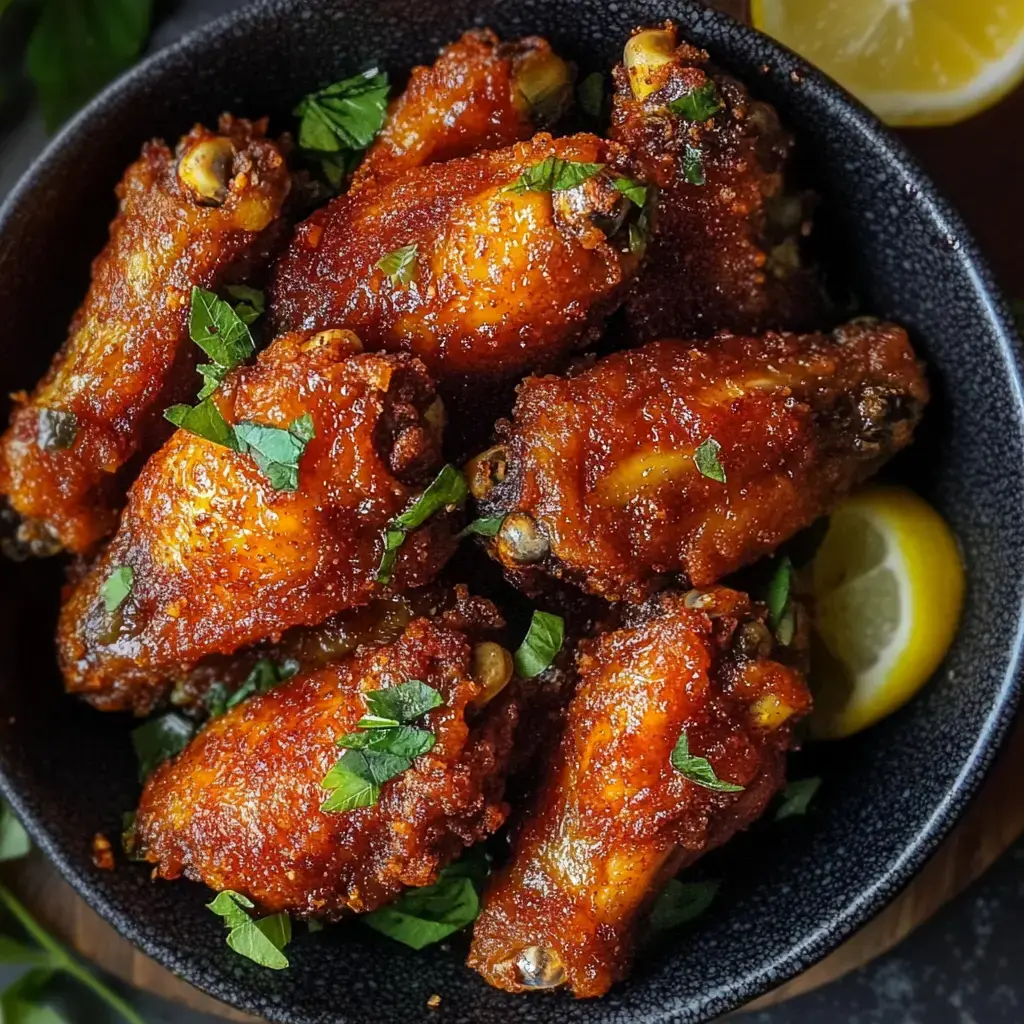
814	946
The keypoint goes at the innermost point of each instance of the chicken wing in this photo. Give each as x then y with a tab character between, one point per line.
199	216
692	458
479	94
216	557
726	247
668	712
240	808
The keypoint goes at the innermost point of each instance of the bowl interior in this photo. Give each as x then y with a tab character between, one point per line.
790	892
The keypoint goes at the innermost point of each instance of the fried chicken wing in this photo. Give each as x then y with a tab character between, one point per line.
479	94
199	216
240	808
599	475
498	281
726	247
616	817
220	558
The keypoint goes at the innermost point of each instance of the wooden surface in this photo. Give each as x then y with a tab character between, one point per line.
979	165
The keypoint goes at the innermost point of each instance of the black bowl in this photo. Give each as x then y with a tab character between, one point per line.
800	888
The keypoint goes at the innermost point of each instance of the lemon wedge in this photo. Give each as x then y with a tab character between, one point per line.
913	62
888	585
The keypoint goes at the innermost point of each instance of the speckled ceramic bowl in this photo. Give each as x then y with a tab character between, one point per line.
796	890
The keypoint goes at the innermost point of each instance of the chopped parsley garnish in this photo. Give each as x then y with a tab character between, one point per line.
632	190
592	95
698	769
385	748
797	797
543	641
706	459
400	266
218	330
265	675
250	303
276	451
553	174
56	429
693	165
116	587
205	420
679	902
338	123
258	940
781	614
421	917
160	738
488	526
447	489
699	104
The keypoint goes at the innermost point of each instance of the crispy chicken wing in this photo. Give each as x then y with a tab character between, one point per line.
725	253
498	282
615	817
479	94
200	216
599	474
221	559
240	808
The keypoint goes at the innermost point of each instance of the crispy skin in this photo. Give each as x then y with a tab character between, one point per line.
602	463
240	807
470	99
128	354
725	255
505	281
222	560
615	819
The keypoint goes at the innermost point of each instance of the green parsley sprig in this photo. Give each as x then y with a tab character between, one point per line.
680	902
399	266
698	769
699	104
258	939
705	458
797	797
265	675
542	642
781	614
160	738
553	174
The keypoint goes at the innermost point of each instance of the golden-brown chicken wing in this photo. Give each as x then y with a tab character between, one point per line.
195	217
725	252
692	457
667	713
240	808
212	556
479	94
481	281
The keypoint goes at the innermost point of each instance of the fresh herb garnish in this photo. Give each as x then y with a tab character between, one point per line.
258	940
797	797
699	103
447	489
781	613
116	587
488	526
706	459
698	769
679	902
264	676
276	451
400	266
632	190
693	165
386	747
542	642
218	330
250	303
553	174
592	95
421	917
204	420
56	429
160	738
339	122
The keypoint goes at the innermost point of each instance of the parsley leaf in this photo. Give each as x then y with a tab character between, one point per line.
348	789
592	95
679	902
264	676
399	266
276	451
698	769
404	703
553	174
693	165
218	330
14	840
205	420
56	429
400	740
116	587
632	190
487	526
706	459
781	618
797	797
258	940
447	489
160	738
251	303
542	642
699	104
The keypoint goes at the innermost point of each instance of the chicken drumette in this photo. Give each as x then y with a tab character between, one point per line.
694	458
675	740
206	214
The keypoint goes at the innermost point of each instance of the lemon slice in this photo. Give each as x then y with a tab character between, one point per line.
888	586
913	62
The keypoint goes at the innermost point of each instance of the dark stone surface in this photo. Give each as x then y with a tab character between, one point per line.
951	971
